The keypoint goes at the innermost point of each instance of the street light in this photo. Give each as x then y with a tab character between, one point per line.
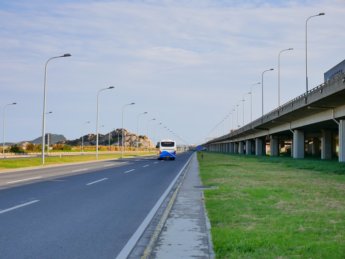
3	127
99	91
82	138
148	129
138	117
251	100
44	102
306	48
124	142
280	52
48	135
262	90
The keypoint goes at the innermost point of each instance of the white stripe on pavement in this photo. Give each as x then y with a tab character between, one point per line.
129	171
26	179
146	165
100	180
18	206
80	170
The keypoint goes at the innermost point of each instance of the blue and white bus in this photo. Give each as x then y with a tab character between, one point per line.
167	149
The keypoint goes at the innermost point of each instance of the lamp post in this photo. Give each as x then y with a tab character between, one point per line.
138	117
280	52
122	140
3	127
48	135
251	100
148	122
82	139
262	90
243	100
99	91
238	125
306	48
44	102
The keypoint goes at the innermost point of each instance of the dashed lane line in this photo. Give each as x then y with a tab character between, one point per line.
146	165
128	171
24	180
97	181
19	206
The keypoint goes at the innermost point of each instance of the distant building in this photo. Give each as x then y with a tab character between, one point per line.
337	69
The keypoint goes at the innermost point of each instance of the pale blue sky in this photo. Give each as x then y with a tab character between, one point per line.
187	63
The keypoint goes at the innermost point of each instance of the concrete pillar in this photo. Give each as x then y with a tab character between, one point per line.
232	147
342	141
326	144
258	147
274	145
298	144
235	147
315	148
241	148
248	147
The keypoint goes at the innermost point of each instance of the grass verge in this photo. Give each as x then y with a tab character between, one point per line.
37	161
275	208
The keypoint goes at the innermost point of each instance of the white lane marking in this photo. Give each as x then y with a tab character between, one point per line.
129	171
146	165
23	180
80	170
108	165
124	253
155	162
19	206
100	180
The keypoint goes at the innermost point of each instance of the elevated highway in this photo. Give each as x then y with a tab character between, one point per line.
310	124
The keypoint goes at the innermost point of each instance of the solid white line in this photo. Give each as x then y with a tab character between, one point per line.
18	206
140	230
129	171
23	180
146	165
100	180
80	170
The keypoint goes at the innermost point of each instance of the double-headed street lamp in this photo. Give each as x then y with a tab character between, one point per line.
44	103
99	91
138	117
3	127
122	140
306	48
280	52
262	90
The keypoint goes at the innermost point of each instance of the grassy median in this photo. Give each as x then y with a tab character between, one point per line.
275	208
54	160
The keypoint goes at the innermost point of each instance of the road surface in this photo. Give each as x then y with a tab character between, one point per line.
80	211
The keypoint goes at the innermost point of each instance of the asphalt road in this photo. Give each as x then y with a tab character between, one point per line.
80	211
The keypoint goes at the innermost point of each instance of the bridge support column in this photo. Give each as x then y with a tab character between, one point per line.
259	146
274	145
241	148
326	144
235	147
342	141
248	147
315	148
298	144
232	147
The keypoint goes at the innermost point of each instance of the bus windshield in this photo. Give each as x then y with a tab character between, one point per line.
167	144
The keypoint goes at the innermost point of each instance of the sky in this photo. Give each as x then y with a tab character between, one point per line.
188	63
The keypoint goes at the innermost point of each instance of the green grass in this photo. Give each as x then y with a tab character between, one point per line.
275	208
37	161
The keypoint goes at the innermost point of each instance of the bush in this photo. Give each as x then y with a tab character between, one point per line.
16	149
